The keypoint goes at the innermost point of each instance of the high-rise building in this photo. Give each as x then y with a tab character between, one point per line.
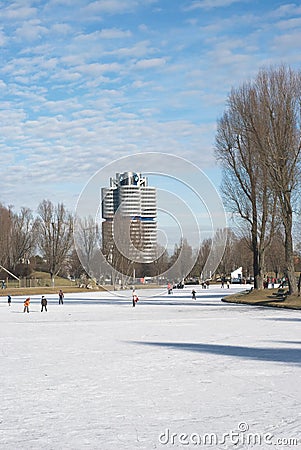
135	203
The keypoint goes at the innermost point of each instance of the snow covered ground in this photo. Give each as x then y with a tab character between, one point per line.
96	373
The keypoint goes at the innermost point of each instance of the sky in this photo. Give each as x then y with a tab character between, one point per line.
84	83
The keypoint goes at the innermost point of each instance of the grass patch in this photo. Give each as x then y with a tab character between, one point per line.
262	298
39	279
45	290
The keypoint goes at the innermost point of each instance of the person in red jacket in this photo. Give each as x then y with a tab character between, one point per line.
26	305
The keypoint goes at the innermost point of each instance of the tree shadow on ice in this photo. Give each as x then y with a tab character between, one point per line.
282	355
284	319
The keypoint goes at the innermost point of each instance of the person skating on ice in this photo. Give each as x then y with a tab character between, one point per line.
44	303
134	298
169	288
26	304
61	297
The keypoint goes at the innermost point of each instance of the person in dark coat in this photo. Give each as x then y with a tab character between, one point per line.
61	297
9	300
193	294
44	303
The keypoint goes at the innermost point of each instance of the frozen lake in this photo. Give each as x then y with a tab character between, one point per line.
96	373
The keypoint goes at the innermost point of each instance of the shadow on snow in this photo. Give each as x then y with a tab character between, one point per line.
282	355
285	319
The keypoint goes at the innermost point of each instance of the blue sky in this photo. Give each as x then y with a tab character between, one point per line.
85	82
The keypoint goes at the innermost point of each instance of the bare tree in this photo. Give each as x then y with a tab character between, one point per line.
275	258
279	93
88	239
5	235
160	265
17	239
246	189
23	237
55	227
203	256
181	262
236	254
74	265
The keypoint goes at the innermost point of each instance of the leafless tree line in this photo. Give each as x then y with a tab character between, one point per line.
23	235
17	236
258	145
48	237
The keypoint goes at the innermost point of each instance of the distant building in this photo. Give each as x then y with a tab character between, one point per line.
130	194
236	276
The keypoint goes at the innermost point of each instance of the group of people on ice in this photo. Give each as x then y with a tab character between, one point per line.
224	281
44	301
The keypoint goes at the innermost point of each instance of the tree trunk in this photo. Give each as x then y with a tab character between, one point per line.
288	243
257	255
256	269
261	265
289	263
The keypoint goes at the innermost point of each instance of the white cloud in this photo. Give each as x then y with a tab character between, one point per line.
138	50
210	4
284	41
61	29
97	69
30	31
114	33
2	38
16	11
144	28
150	63
109	33
54	3
115	6
289	23
285	10
139	84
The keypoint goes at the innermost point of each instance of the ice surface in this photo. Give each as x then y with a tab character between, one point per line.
96	373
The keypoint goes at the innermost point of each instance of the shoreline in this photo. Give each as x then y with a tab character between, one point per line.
263	298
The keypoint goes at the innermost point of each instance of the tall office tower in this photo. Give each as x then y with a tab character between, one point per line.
130	203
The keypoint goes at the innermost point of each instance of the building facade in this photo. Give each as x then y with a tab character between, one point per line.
135	202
